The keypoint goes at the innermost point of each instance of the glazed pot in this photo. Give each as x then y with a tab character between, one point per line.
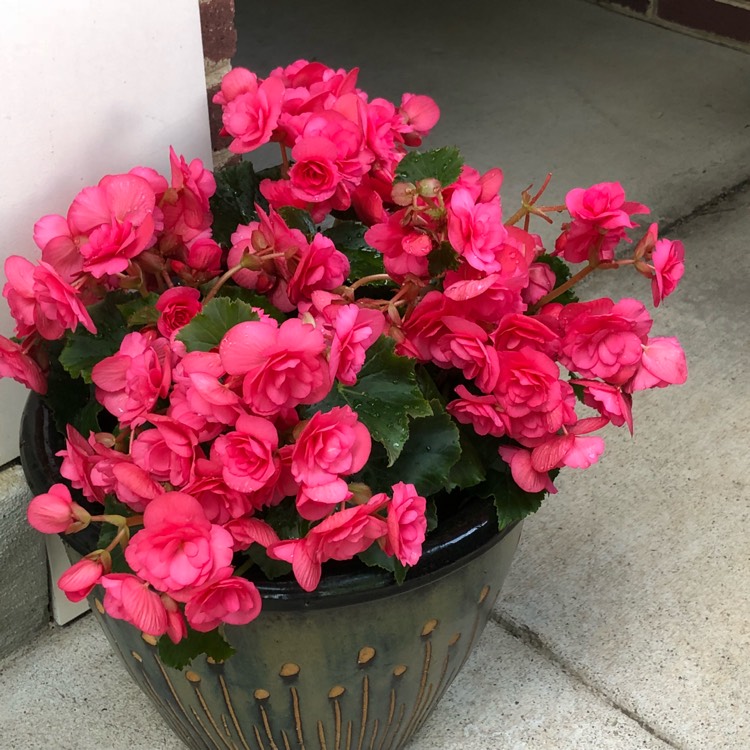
358	664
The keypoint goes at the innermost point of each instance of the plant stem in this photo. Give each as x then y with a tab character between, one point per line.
368	280
222	280
284	161
571	282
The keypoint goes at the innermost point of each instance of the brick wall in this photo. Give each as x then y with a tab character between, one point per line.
725	21
219	45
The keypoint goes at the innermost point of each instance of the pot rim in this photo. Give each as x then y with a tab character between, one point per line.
454	543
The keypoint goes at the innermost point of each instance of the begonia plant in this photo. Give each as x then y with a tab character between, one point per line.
258	373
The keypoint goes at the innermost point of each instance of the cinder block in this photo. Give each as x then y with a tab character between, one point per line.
24	597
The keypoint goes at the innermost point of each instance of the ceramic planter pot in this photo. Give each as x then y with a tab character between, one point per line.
358	664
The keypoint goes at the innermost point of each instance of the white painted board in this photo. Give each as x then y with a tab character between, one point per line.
88	88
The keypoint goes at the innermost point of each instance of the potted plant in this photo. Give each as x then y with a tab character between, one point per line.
304	410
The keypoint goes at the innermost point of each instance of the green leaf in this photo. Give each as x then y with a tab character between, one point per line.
562	274
251	298
83	350
179	655
431	450
285	519
298	218
140	311
511	502
442	164
374	557
206	330
431	514
385	395
233	203
469	470
441	259
70	399
349	238
270	568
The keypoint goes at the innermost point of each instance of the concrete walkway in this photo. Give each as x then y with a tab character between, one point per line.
625	622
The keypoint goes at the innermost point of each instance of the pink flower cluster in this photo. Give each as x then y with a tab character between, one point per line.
215	432
344	146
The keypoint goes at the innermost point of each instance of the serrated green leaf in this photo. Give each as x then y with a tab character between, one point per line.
140	311
83	350
70	399
349	238
562	274
431	450
251	298
206	330
385	395
233	203
511	502
442	164
298	218
179	655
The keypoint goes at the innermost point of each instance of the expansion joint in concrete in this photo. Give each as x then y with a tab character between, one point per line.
534	641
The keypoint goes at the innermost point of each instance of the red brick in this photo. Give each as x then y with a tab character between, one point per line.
214	120
730	21
218	30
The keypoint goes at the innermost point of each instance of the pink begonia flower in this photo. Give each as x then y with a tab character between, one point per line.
425	326
181	410
569	450
40	299
78	581
604	339
178	306
54	238
17	364
185	205
483	188
321	267
247	455
176	627
332	444
522	471
609	400
200	261
200	374
129	383
542	281
179	549
476	230
129	598
341	536
404	249
234	600
219	501
54	512
87	464
237	81
281	367
167	452
314	177
134	486
251	117
669	265
355	329
663	363
535	402
516	331
117	219
600	214
407	524
247	531
420	113
483	413
467	347
314	502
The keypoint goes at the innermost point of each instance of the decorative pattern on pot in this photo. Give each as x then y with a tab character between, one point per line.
342	676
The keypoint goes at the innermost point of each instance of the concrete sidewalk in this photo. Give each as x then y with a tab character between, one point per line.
625	621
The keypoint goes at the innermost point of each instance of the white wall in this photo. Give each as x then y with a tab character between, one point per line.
87	88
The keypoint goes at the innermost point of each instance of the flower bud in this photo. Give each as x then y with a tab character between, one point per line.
54	512
79	579
403	193
429	187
